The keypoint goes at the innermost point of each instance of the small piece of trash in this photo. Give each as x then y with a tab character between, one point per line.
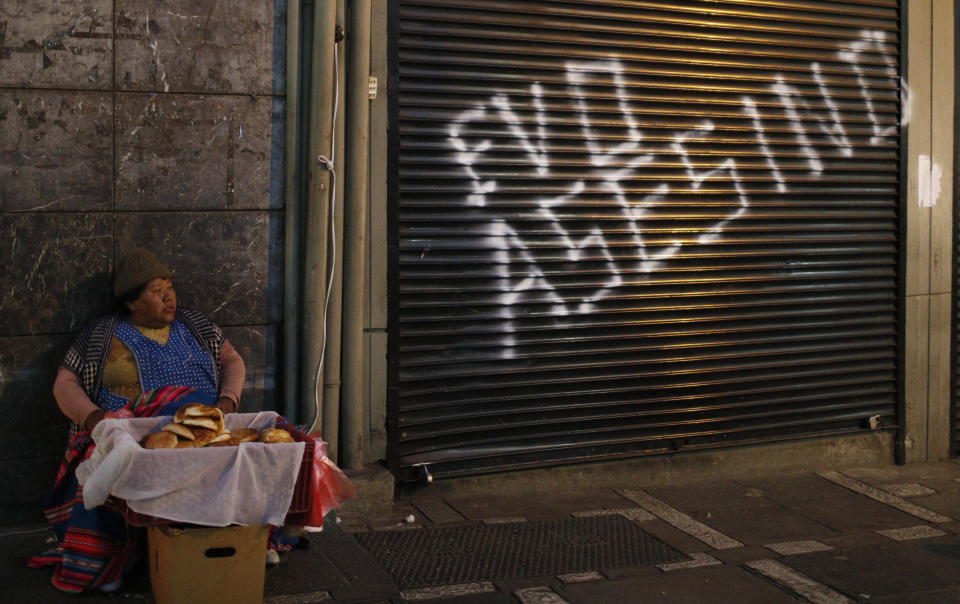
410	519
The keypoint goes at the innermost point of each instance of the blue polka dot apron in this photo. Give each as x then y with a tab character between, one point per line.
179	362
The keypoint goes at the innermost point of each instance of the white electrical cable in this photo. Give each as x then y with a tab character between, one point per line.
46	528
329	165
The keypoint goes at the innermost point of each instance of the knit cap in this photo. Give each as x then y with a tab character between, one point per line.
136	270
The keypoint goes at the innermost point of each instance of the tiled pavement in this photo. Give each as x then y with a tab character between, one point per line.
889	534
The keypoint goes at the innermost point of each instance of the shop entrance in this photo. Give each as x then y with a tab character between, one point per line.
630	229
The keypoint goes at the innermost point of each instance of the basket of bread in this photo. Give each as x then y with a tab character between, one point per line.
201	467
196	425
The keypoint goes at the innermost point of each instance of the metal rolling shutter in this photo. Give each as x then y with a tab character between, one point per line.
634	227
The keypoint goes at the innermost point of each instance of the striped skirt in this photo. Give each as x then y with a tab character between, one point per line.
96	547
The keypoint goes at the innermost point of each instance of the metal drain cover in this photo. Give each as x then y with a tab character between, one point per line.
446	556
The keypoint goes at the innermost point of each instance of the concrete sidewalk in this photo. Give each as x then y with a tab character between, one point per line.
886	534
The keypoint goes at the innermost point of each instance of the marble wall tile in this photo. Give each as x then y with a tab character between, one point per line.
26	397
34	480
192	152
195	46
56	275
226	264
29	458
166	133
56	44
56	150
259	347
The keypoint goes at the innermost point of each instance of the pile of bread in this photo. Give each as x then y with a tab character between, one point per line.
196	425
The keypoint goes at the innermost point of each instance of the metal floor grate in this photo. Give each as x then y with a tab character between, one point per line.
431	557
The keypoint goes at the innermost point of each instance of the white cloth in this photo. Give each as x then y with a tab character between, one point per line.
249	484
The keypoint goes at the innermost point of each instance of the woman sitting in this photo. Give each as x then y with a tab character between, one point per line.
148	358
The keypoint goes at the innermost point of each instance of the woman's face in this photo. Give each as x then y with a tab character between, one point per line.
156	305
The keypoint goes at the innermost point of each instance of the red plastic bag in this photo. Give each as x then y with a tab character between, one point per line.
329	488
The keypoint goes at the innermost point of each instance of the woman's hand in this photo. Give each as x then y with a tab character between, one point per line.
226	404
99	415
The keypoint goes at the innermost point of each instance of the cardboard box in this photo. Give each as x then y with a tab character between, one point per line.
209	565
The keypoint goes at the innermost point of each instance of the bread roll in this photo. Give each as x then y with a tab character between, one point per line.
182	411
275	435
202	436
197	410
179	430
229	442
245	435
186	444
204	422
160	440
219	438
